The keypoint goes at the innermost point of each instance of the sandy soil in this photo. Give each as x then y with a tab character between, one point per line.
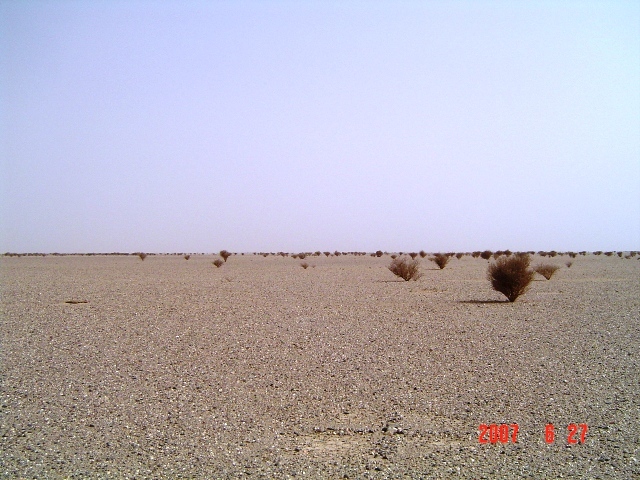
178	369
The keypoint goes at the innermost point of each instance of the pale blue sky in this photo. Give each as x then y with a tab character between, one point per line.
269	125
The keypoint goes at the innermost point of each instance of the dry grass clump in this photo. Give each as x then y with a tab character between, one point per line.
546	270
218	263
569	263
440	259
413	255
304	265
224	254
187	257
141	255
405	268
511	276
486	255
459	255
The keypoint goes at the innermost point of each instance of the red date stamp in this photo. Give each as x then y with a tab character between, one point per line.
505	433
498	433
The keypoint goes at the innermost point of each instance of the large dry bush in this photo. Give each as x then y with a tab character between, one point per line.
511	276
440	259
546	270
405	268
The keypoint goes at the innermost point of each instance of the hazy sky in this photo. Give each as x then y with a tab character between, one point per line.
270	125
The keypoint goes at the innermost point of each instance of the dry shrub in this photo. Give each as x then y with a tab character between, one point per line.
459	255
394	256
422	254
224	254
187	257
218	263
511	276
326	254
486	255
141	255
379	253
304	265
546	270
405	268
301	256
440	259
568	264
413	255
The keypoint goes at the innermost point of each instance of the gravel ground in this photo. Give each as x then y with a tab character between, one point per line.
178	369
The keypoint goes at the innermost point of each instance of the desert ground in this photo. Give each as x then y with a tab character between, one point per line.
174	368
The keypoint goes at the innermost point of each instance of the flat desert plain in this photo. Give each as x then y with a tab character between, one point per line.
174	368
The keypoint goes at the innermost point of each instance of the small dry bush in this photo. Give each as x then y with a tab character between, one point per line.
326	254
224	254
304	265
422	254
301	256
440	259
394	256
379	253
511	276
546	270
218	263
405	268
187	257
568	264
486	255
141	255
413	255
459	255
